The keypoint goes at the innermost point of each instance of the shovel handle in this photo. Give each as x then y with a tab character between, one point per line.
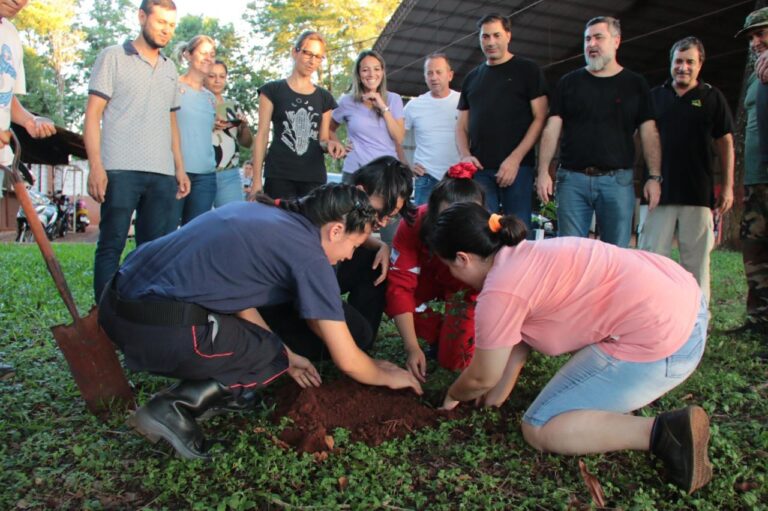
37	229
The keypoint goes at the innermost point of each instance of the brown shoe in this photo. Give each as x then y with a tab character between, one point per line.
680	439
749	327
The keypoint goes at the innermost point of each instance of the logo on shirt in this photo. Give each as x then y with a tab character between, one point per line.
301	127
696	102
6	68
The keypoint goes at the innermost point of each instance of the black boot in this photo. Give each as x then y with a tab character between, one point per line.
680	439
171	416
247	401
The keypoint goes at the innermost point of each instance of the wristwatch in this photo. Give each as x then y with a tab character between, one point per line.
658	179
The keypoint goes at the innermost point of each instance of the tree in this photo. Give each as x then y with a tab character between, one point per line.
348	26
109	22
242	79
41	89
48	25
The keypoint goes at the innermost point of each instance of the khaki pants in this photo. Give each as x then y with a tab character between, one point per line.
695	237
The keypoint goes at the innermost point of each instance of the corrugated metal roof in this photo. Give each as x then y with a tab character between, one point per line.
551	32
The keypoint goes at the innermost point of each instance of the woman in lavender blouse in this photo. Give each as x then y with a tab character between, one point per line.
374	117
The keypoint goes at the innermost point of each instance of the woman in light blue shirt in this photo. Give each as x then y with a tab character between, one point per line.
196	119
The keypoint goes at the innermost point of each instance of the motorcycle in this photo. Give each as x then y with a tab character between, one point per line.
66	212
82	217
47	212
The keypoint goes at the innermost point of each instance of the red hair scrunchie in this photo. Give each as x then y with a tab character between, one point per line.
463	170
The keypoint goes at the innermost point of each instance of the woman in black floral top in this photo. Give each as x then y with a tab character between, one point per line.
231	131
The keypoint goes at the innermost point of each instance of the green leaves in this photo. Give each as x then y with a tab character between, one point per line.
53	454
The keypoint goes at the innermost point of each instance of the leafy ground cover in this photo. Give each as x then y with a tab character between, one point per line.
54	455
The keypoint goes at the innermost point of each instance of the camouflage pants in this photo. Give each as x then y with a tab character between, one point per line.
754	236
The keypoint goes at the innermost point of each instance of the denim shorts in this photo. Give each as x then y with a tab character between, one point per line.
594	380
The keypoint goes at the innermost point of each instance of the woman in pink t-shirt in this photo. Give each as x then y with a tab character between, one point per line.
635	322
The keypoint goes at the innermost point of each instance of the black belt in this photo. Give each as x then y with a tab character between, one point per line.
155	313
593	171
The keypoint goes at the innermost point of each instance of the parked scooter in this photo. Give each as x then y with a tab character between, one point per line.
66	211
82	217
47	212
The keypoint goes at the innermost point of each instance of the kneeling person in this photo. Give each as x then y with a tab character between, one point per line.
186	306
636	323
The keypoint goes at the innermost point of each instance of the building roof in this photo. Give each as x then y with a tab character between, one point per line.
551	32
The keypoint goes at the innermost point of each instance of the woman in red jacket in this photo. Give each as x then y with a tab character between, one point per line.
416	277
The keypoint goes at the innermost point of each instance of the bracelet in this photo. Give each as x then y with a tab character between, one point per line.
658	179
385	110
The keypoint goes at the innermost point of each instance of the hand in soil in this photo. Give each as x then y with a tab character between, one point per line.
417	364
449	403
302	371
398	378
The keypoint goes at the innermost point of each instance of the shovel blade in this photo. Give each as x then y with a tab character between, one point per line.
94	364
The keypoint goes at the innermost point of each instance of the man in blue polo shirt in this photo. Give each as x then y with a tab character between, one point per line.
132	139
690	116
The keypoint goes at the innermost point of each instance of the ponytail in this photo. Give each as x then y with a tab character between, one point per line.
333	202
465	227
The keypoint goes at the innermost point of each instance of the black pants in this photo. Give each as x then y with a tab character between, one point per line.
288	189
362	311
234	352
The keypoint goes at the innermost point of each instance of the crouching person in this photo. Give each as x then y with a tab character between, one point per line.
186	306
635	322
417	276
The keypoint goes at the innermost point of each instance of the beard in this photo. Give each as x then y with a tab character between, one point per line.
151	41
597	64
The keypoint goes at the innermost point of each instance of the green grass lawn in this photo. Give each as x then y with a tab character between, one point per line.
55	455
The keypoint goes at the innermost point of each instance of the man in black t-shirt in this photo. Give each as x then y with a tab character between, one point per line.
598	108
691	115
502	110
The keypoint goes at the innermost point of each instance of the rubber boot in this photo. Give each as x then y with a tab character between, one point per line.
247	401
680	439
171	416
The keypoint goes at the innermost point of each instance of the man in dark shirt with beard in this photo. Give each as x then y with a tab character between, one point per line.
598	108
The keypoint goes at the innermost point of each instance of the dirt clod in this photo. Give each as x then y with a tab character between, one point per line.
371	414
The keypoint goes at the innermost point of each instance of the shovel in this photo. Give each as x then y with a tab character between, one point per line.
89	352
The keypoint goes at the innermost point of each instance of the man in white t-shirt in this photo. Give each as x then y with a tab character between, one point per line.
12	83
430	120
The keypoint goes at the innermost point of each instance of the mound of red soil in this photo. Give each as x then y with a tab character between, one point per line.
371	414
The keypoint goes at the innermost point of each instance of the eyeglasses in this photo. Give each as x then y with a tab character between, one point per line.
309	55
385	217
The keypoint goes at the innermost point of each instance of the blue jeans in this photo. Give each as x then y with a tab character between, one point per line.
200	199
594	380
229	187
515	199
152	196
610	197
422	188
